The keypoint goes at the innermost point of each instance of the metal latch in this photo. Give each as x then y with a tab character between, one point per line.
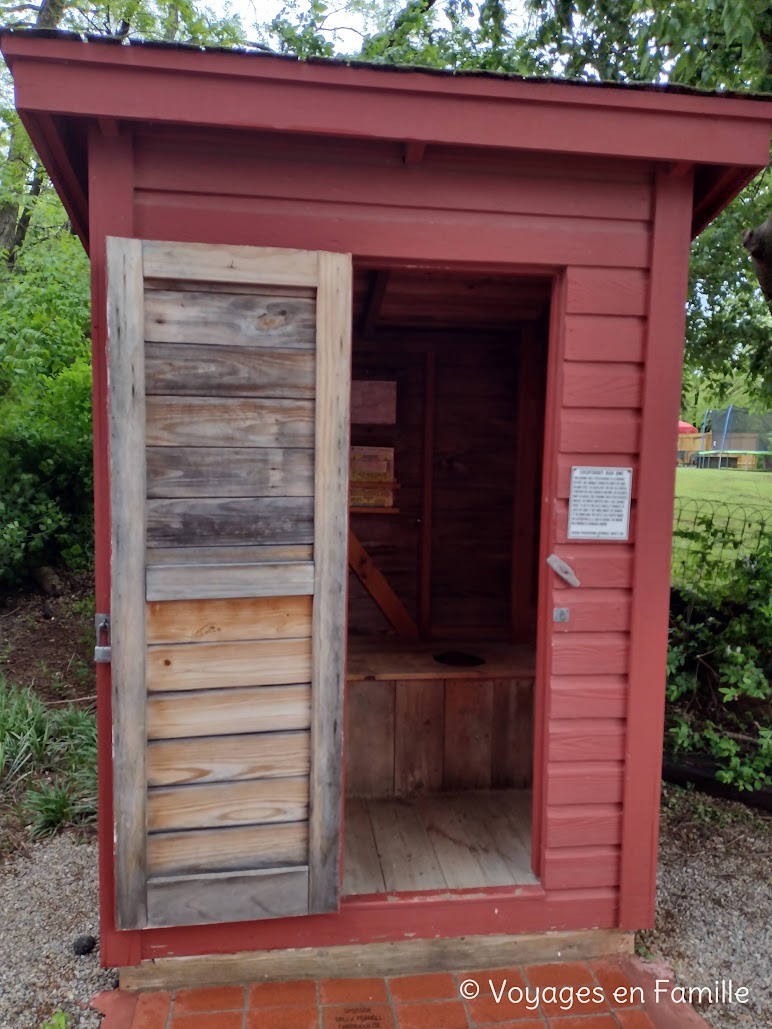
102	650
563	569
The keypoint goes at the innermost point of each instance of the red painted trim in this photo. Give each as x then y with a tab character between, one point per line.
111	213
651	559
398	917
554	389
239	65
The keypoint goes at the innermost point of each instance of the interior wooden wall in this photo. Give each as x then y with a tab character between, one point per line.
423	736
476	425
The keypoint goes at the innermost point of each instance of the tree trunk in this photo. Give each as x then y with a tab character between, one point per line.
50	14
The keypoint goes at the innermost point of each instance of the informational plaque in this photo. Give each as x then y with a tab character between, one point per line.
599	505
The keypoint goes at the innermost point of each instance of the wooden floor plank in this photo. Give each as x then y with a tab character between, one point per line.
493	853
361	867
507	820
449	834
440	841
421	869
383	818
406	855
516	807
499	839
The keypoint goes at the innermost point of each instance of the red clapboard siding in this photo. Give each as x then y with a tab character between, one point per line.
597	696
589	782
602	384
581	653
568	461
604	565
593	610
370	153
602	432
618	291
584	825
580	868
428	184
586	739
604	338
387	232
561	523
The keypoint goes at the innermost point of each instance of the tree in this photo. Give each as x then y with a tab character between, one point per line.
710	44
22	177
45	368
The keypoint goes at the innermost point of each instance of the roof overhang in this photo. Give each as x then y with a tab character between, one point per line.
65	84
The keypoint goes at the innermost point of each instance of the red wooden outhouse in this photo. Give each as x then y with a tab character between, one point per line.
386	385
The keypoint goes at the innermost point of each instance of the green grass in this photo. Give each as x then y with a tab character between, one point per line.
47	761
748	489
721	517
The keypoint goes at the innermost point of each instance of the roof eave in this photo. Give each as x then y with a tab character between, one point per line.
65	78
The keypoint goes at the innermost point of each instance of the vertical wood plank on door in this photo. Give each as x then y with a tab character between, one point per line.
333	367
127	498
468	715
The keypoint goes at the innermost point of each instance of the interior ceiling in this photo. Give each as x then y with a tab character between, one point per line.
387	300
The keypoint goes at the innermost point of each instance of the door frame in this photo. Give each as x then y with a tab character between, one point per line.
557	276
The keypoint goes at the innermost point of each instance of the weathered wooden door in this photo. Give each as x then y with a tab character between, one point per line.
229	371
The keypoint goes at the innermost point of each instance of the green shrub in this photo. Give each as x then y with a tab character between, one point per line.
719	688
46	480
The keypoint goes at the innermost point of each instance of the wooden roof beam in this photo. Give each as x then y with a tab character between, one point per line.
48	142
376	585
375	297
728	182
414	152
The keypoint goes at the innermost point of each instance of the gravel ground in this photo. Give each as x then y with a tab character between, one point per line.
714	903
48	899
714	917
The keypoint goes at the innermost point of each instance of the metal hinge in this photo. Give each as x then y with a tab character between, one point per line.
102	650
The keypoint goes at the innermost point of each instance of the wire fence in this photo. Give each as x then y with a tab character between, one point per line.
711	537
